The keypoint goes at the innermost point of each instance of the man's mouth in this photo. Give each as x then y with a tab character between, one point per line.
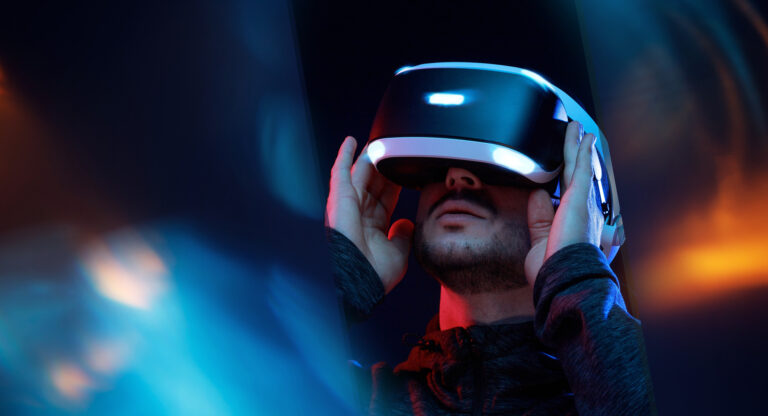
459	208
463	203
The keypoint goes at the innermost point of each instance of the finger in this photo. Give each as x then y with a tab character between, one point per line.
363	172
401	235
390	194
540	215
340	172
596	217
366	178
582	174
573	135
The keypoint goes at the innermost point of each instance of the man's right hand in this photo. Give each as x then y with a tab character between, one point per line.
360	205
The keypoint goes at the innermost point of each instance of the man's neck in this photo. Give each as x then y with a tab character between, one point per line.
515	305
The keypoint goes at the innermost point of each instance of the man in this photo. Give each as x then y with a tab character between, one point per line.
531	318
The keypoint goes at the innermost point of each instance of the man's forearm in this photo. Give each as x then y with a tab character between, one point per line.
581	316
357	284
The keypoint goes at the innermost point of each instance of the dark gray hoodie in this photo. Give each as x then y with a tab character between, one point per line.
583	353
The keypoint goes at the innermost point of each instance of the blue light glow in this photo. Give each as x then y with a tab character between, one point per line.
80	348
560	113
481	66
402	69
445	98
536	77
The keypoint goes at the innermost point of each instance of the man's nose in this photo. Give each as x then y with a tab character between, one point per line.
458	178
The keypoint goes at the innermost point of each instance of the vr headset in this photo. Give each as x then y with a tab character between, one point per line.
504	124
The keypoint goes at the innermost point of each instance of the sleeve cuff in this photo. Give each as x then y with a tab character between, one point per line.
567	267
357	283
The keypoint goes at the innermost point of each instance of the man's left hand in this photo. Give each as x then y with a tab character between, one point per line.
578	218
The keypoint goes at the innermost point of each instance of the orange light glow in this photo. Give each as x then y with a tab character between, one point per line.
728	258
2	81
718	249
132	274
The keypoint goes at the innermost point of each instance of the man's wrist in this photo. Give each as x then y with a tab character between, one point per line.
569	266
357	283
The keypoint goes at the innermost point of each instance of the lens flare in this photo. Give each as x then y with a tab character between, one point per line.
71	381
108	356
131	273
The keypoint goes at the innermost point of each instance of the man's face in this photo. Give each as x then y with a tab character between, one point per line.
470	236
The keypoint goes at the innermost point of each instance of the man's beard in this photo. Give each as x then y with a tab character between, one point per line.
464	268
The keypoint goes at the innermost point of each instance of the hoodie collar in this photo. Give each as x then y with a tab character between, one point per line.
477	342
457	361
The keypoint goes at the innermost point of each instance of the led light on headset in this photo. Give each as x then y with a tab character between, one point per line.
375	151
513	160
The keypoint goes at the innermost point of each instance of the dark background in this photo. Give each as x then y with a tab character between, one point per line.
205	132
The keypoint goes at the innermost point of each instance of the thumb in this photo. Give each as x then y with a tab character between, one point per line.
400	234
540	216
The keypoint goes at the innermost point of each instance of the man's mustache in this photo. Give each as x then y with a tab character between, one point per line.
478	197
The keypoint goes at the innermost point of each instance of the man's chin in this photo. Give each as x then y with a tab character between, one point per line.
450	255
459	236
450	246
468	263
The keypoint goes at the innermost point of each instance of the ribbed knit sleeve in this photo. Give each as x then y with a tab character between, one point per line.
357	284
581	315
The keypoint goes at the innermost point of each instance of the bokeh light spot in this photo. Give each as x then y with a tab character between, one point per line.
71	381
131	273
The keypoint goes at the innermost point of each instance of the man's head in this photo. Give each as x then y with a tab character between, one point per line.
472	237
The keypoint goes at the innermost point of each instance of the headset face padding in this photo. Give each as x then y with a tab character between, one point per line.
504	124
